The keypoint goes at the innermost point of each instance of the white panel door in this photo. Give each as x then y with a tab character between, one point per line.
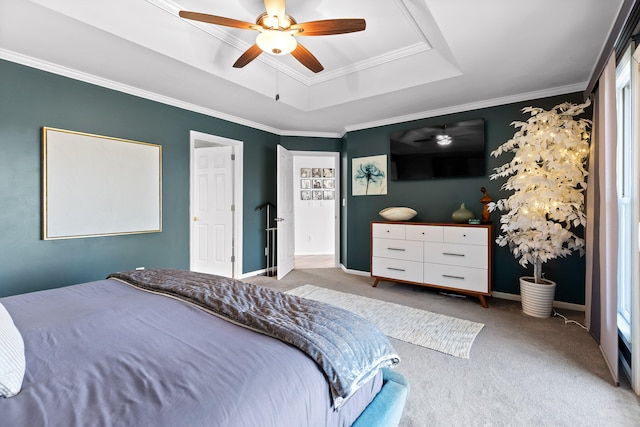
285	221
213	215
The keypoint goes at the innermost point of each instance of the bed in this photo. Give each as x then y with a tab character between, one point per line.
121	351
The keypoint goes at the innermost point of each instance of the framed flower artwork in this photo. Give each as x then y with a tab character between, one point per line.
369	175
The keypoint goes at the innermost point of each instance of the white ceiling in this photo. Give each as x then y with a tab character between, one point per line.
417	58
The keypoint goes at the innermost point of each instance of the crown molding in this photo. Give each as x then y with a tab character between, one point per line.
311	134
560	90
370	63
110	84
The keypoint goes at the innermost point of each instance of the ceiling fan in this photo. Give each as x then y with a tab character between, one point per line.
277	31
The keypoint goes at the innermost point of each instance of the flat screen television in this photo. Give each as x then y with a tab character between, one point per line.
452	150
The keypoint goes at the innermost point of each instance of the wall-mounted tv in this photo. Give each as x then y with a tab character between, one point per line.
451	150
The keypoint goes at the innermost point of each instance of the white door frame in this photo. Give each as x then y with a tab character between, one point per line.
199	139
336	163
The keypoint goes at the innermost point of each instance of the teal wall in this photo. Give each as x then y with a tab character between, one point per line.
435	200
304	143
31	99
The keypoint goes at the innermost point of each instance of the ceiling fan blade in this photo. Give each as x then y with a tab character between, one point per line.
329	27
248	56
307	59
275	8
218	20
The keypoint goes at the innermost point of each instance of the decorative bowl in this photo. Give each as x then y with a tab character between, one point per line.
397	213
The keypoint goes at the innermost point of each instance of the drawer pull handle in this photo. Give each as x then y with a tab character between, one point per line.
395	269
396	249
453	277
452	254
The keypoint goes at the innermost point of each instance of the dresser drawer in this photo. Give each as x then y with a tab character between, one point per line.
463	278
410	271
388	231
398	249
456	254
467	235
455	257
425	233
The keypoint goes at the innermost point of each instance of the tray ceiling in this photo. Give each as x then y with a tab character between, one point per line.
417	58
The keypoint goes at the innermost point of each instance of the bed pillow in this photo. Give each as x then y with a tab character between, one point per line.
12	361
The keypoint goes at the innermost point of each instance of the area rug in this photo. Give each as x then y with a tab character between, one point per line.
438	332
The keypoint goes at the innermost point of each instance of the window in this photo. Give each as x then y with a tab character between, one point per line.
626	188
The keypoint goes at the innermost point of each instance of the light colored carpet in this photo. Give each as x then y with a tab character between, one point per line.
445	334
523	371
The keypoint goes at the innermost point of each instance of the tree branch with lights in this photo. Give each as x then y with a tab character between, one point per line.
548	177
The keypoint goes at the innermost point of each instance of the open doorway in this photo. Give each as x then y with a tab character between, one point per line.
215	205
316	202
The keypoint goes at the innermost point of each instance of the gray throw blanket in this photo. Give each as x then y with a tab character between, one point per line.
348	348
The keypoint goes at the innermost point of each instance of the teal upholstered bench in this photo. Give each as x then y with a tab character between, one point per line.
386	408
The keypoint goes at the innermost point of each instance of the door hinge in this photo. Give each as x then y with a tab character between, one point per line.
233	208
233	258
233	156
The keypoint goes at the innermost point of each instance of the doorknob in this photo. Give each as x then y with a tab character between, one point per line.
278	219
195	218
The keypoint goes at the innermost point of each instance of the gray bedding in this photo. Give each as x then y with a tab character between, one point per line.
106	354
348	348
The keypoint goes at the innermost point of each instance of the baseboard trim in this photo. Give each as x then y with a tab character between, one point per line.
356	272
494	294
252	273
313	254
556	304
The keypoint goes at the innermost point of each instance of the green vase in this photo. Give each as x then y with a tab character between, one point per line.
461	215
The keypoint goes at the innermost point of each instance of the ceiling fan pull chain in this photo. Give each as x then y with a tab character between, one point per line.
277	83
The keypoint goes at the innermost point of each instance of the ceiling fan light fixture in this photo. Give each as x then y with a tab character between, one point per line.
276	42
270	22
277	31
275	22
443	139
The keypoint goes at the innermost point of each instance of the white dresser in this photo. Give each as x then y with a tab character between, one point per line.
455	257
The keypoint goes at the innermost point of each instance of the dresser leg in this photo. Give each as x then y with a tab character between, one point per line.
375	282
483	302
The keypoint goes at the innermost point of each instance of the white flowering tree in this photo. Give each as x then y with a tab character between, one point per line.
548	177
